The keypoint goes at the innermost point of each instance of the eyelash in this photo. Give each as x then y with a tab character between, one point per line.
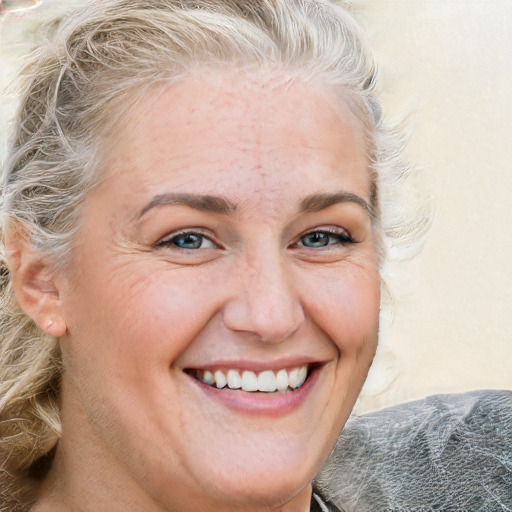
171	240
339	237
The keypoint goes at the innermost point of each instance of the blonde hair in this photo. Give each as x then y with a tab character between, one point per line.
98	60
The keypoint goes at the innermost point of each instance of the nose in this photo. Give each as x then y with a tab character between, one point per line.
264	302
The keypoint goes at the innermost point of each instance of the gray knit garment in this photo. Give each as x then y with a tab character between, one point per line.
450	453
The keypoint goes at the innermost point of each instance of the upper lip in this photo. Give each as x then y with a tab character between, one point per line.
258	366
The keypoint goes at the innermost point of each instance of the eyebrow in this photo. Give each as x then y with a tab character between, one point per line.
318	202
216	204
205	203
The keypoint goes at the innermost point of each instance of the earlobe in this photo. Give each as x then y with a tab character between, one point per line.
34	283
55	327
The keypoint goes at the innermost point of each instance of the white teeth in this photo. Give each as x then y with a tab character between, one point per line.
266	381
220	379
297	377
234	379
249	381
282	380
208	378
303	373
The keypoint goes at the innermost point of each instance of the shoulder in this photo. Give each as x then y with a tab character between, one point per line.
446	451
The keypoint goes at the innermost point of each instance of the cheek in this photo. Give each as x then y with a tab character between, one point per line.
346	309
346	306
153	317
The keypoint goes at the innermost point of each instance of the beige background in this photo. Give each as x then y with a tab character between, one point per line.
447	64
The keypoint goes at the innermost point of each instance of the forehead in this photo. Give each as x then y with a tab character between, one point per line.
221	129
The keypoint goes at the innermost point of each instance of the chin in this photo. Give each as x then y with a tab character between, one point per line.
264	489
269	482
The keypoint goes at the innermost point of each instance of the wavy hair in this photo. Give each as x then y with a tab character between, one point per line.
94	62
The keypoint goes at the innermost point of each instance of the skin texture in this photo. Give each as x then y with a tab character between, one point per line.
139	433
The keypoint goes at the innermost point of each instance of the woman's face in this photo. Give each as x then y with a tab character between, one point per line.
230	240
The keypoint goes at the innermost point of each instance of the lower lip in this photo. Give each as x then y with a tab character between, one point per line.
272	404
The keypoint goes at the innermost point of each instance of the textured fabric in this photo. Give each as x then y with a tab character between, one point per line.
444	453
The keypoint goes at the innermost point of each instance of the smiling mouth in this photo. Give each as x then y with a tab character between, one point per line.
267	381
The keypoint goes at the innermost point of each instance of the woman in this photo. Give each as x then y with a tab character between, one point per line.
195	212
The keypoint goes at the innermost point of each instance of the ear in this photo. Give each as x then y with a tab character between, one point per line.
34	283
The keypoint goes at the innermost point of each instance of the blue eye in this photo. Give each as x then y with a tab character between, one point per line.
189	241
318	239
